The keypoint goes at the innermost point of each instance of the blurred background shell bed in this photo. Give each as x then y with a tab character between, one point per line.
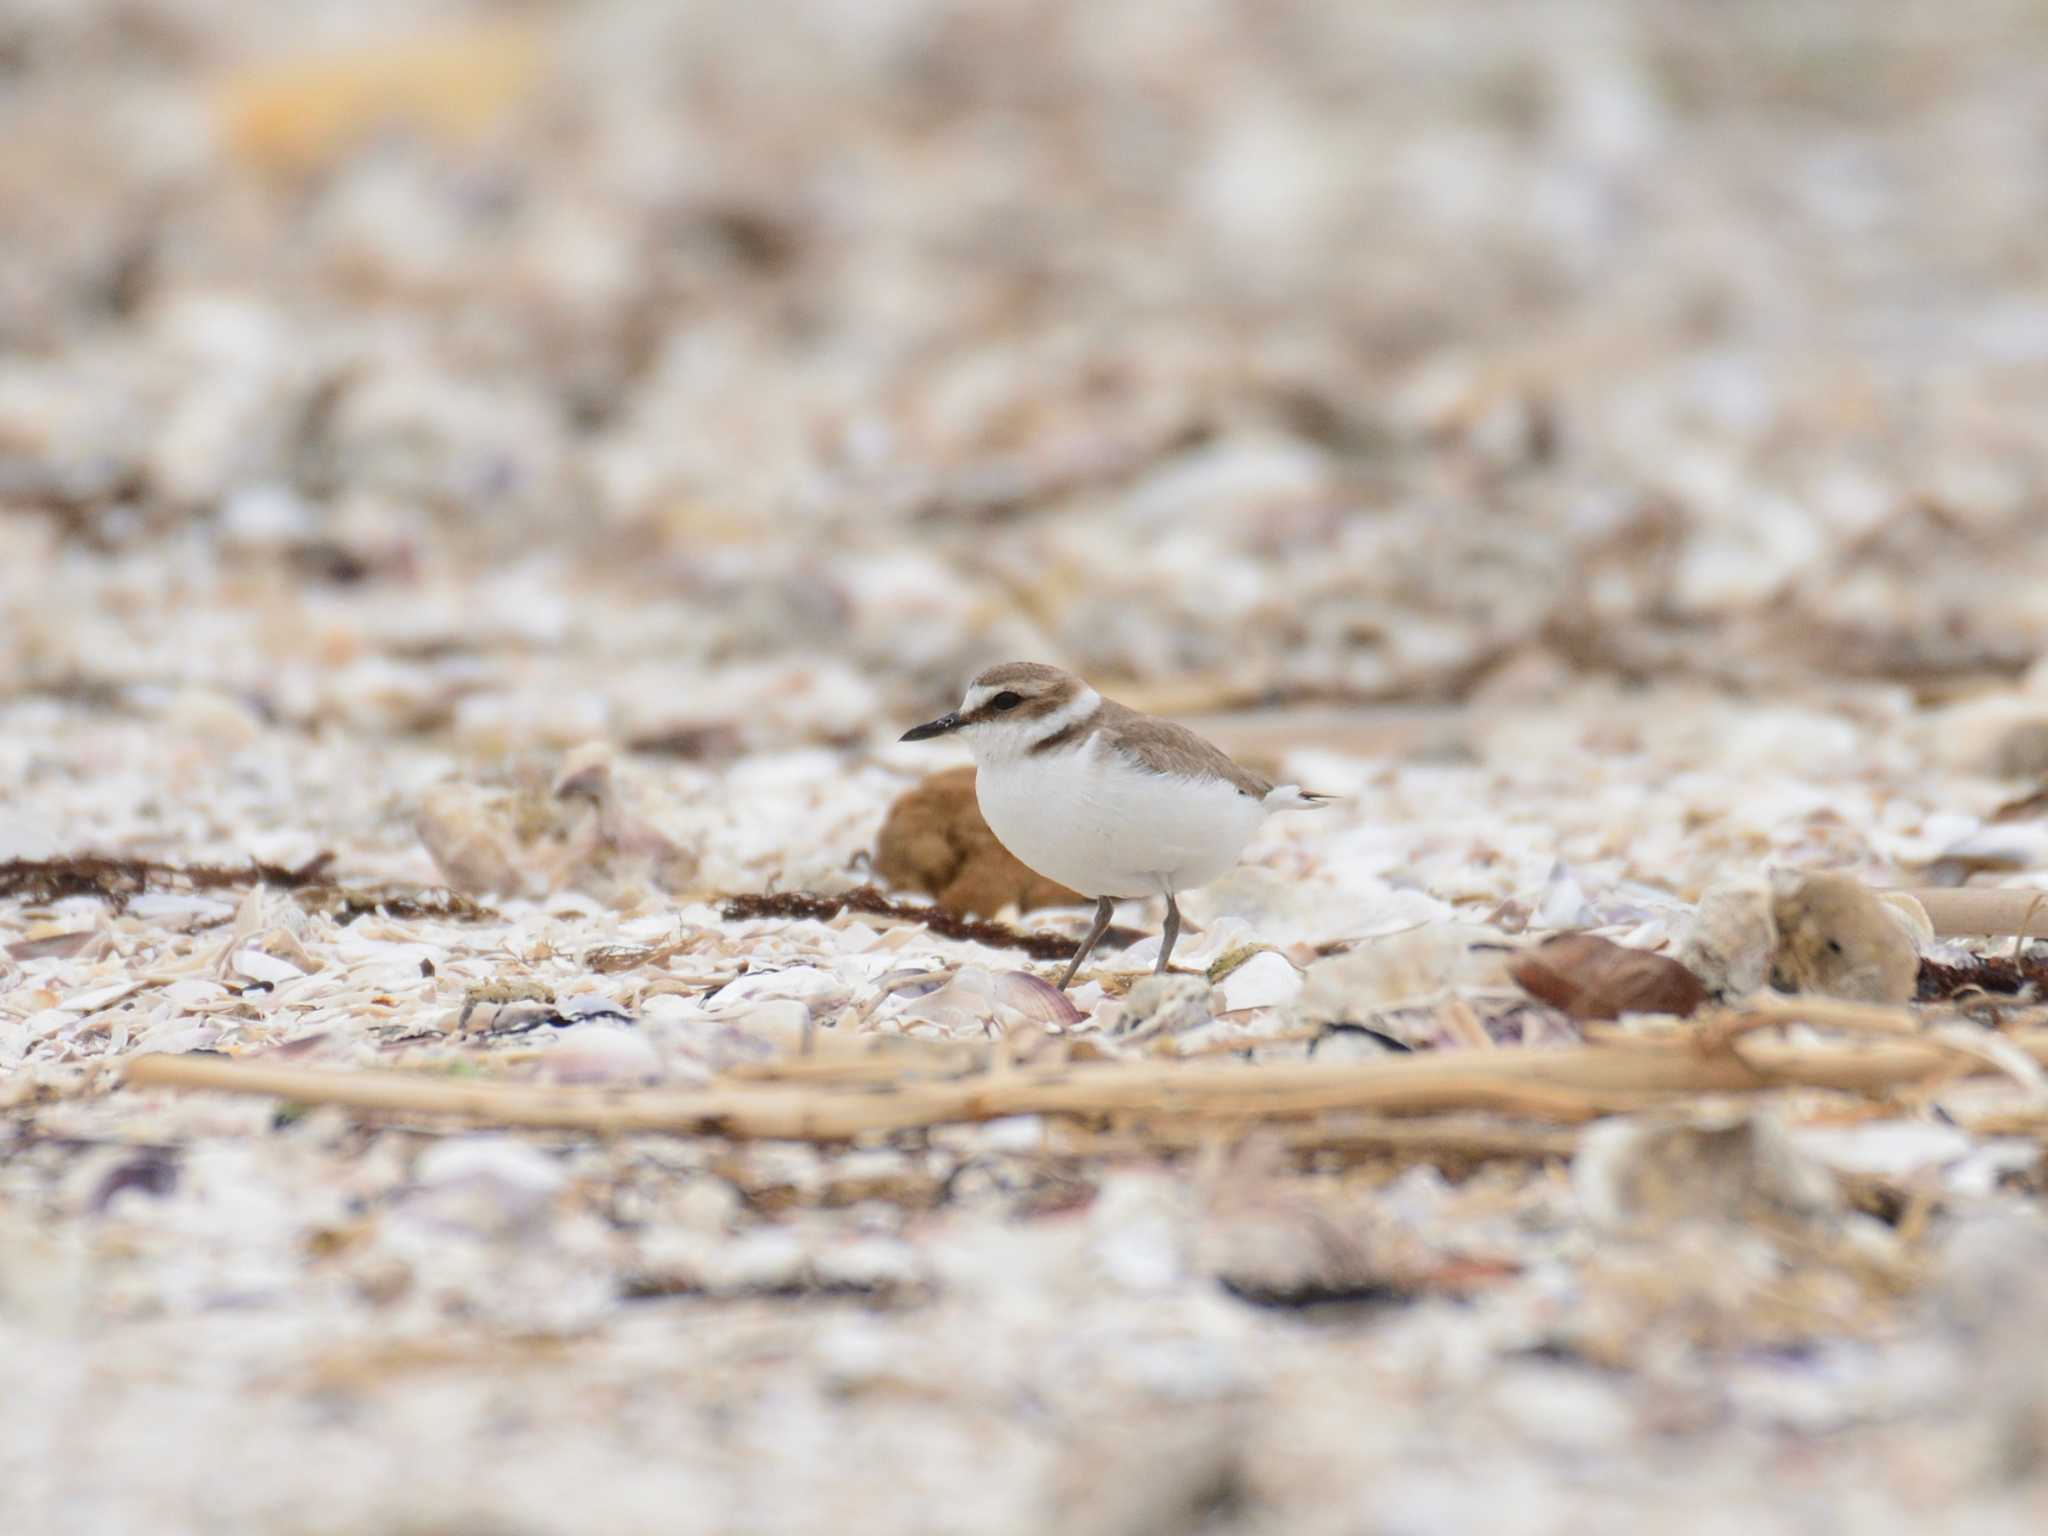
484	484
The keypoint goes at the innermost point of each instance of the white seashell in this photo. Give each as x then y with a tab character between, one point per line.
467	844
707	1204
912	983
257	965
503	1160
1889	1148
2001	736
191	990
868	1264
15	1039
486	1183
651	930
1014	1133
48	1021
286	945
854	1354
1648	1172
1416	965
1166	1004
1564	903
820	990
171	906
513	1018
100	997
586	771
976	999
55	941
1567	1413
1266	980
249	914
602	1053
1898	1149
589	1005
966	1004
1035	999
768	1259
1141	1233
782	1022
1732	938
1911	915
2008	846
194	1037
667	1006
1980	1175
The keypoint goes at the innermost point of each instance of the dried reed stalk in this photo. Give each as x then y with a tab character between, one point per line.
1453	1134
1985	913
1566	1086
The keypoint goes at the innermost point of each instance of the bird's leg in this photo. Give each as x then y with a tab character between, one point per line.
1169	933
1105	909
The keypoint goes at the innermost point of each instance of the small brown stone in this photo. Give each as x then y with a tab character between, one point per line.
935	840
1594	978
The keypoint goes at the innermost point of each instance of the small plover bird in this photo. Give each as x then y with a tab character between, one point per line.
1109	802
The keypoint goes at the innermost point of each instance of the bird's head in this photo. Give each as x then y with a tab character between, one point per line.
1010	707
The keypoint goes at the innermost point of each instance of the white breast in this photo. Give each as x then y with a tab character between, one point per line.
1092	819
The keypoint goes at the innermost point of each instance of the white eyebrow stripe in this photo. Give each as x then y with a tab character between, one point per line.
977	696
1072	713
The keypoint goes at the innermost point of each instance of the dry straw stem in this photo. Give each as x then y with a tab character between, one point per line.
2025	1120
1978	1048
1568	1086
1455	1134
818	1112
1959	913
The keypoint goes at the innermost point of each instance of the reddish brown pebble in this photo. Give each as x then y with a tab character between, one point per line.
935	840
1595	978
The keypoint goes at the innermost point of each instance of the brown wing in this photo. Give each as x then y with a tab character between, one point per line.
1165	747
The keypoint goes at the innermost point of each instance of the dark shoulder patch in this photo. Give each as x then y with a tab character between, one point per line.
1062	737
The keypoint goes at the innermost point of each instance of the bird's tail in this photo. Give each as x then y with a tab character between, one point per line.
1292	797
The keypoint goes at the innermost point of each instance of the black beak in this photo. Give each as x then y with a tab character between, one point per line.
932	728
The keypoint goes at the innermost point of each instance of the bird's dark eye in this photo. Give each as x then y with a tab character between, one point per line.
1007	700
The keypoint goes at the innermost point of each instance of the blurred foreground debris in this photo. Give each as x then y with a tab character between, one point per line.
299	113
1723	1053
